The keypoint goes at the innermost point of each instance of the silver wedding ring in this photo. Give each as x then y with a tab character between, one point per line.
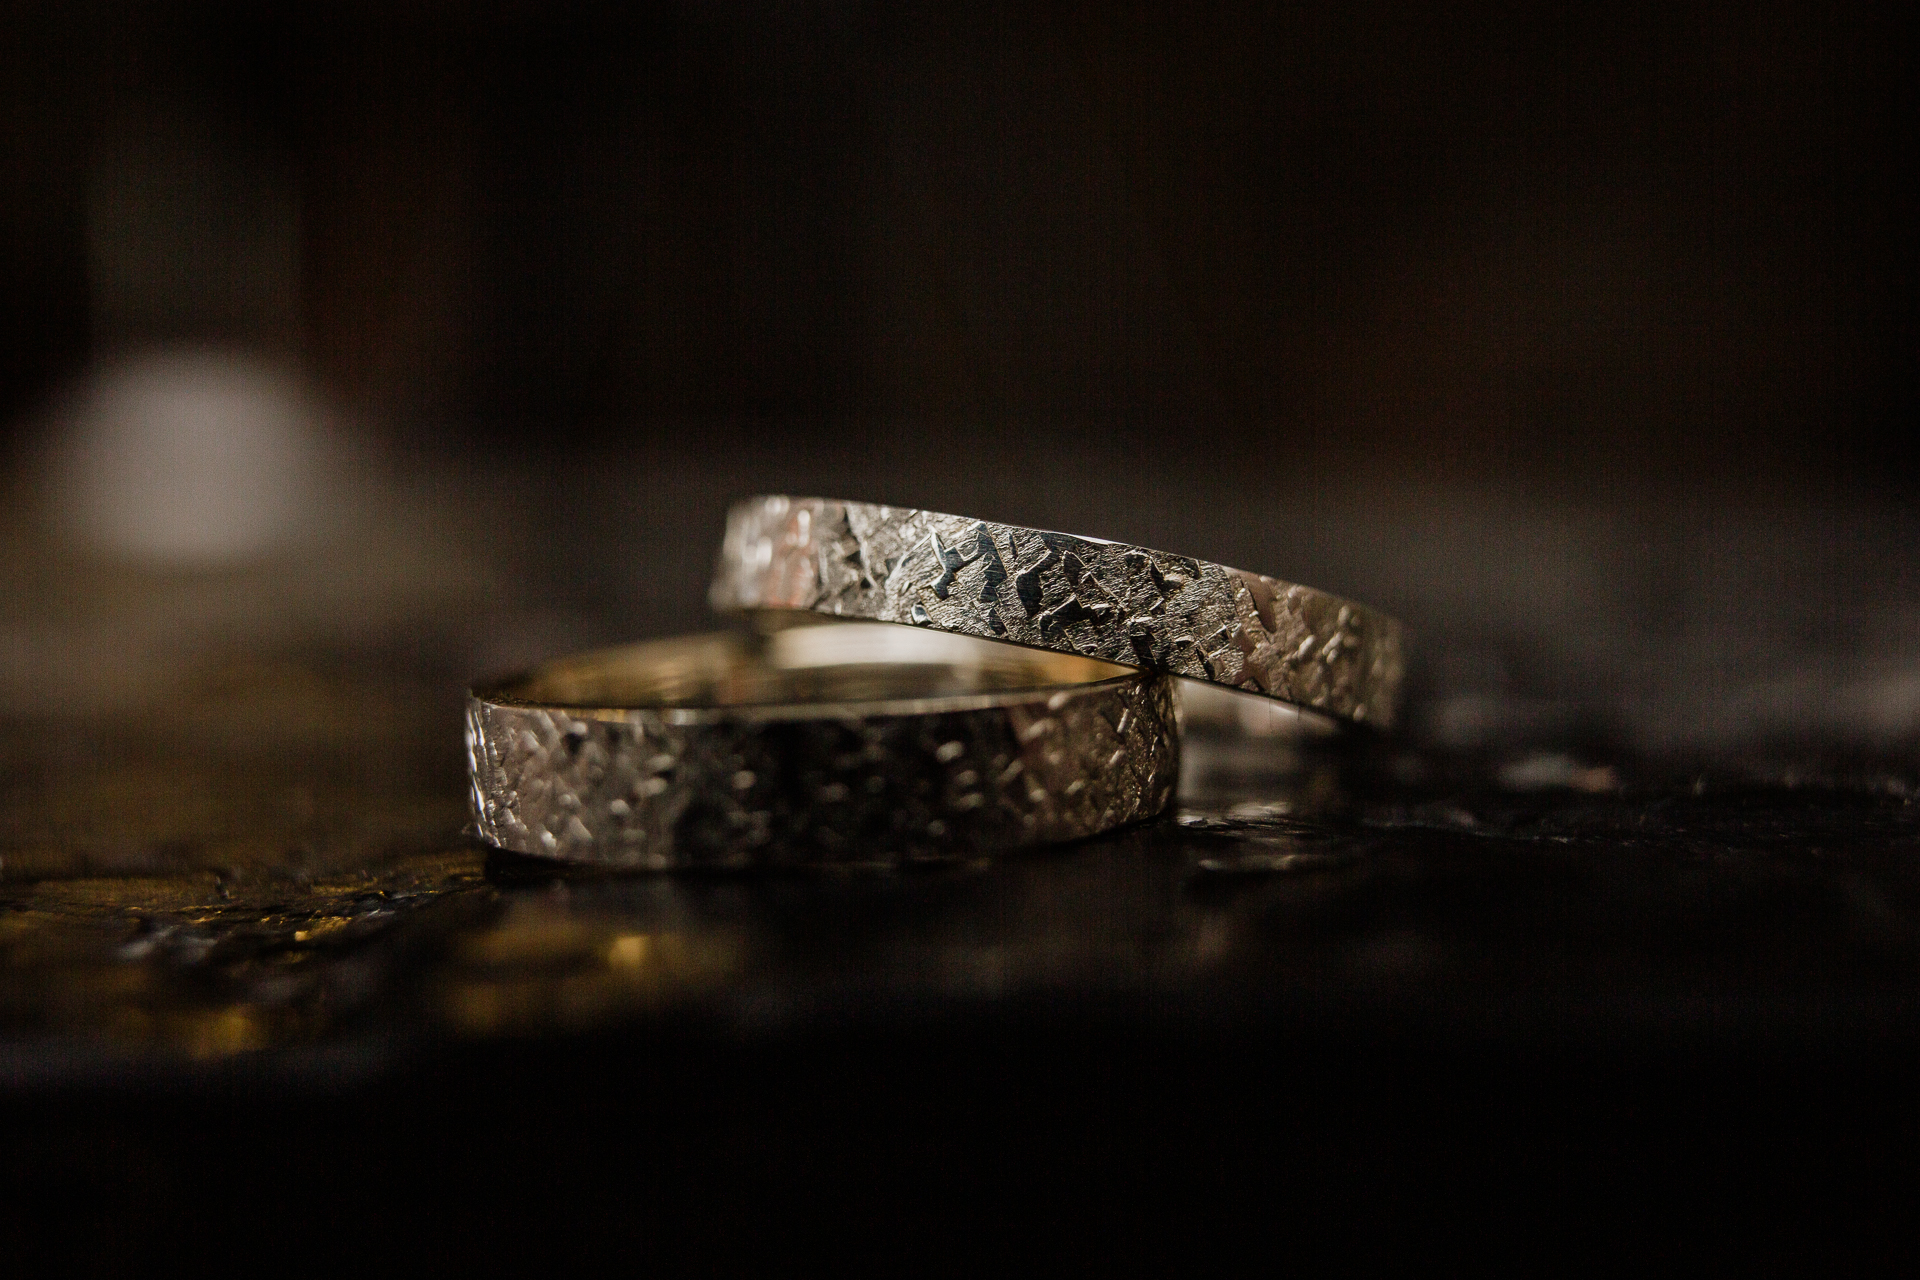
815	745
1057	592
845	742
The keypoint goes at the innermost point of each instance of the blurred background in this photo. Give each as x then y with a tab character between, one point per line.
349	350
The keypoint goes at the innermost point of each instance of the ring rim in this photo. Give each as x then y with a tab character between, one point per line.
501	691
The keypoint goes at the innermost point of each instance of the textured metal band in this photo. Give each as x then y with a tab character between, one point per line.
1069	751
1054	591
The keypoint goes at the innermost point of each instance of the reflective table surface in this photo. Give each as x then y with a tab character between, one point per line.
272	979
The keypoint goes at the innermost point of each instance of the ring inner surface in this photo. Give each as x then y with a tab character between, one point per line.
850	662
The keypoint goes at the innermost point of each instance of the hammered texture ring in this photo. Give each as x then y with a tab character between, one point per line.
827	744
1054	591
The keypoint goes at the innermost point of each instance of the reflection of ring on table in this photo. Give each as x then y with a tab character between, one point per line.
829	744
1054	591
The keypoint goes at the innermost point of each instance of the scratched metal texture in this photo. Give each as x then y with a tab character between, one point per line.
876	782
1106	600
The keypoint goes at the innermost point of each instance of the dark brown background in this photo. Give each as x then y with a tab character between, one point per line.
1494	243
1584	340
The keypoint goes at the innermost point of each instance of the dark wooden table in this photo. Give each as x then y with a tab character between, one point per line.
259	992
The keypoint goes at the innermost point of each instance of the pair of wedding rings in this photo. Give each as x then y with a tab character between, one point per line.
855	743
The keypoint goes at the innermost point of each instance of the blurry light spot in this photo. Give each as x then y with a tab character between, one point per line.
1544	770
629	951
188	459
224	1031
